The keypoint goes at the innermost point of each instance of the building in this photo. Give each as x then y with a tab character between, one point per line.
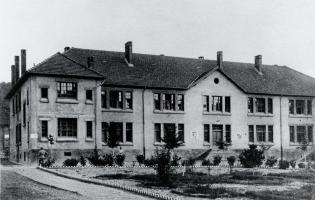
75	96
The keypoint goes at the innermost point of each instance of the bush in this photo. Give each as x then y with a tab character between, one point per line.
164	166
206	163
109	159
271	161
120	158
301	165
284	164
175	160
150	162
48	162
70	162
217	160
292	163
251	157
82	161
189	162
140	159
231	160
102	160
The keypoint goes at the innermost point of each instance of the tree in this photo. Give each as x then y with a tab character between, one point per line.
252	157
112	140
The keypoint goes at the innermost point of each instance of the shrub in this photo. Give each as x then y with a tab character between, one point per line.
164	166
49	162
175	160
82	161
189	162
150	162
70	162
140	158
251	157
292	163
301	165
206	163
270	162
217	160
109	159
231	160
284	164
120	158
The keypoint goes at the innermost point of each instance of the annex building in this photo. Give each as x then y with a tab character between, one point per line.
76	95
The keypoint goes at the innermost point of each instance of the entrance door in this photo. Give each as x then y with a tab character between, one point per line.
217	134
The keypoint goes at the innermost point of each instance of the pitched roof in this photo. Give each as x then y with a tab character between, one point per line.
166	72
58	64
157	71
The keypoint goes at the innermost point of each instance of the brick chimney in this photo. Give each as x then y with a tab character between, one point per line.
128	53
23	61
17	67
219	59
258	62
12	75
66	49
90	61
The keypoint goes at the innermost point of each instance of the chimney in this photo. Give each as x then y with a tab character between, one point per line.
128	52
219	59
258	62
17	68
66	49
23	61
12	75
90	61
201	57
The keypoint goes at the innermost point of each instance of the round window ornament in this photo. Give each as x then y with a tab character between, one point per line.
216	80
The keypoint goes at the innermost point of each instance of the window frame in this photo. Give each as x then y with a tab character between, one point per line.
255	138
306	107
67	122
168	101
64	87
89	129
209	106
107	102
293	131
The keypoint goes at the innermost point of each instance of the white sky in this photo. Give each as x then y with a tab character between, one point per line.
282	31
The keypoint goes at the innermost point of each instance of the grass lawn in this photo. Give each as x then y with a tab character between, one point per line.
201	185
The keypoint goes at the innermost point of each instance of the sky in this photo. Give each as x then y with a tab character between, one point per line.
283	32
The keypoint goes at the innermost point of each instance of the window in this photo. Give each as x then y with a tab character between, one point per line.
24	113
103	99
89	95
310	134
250	105
260	105
104	132
228	133
292	134
27	97
270	106
181	133
217	103
251	133
157	132
67	89
270	133
157	101
67	127
180	102
227	104
128	132
300	104
18	136
89	129
117	128
44	129
300	134
309	107
291	107
206	132
168	101
205	103
44	93
115	99
13	106
169	129
261	133
128	97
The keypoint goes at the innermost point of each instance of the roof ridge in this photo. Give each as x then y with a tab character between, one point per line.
81	64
